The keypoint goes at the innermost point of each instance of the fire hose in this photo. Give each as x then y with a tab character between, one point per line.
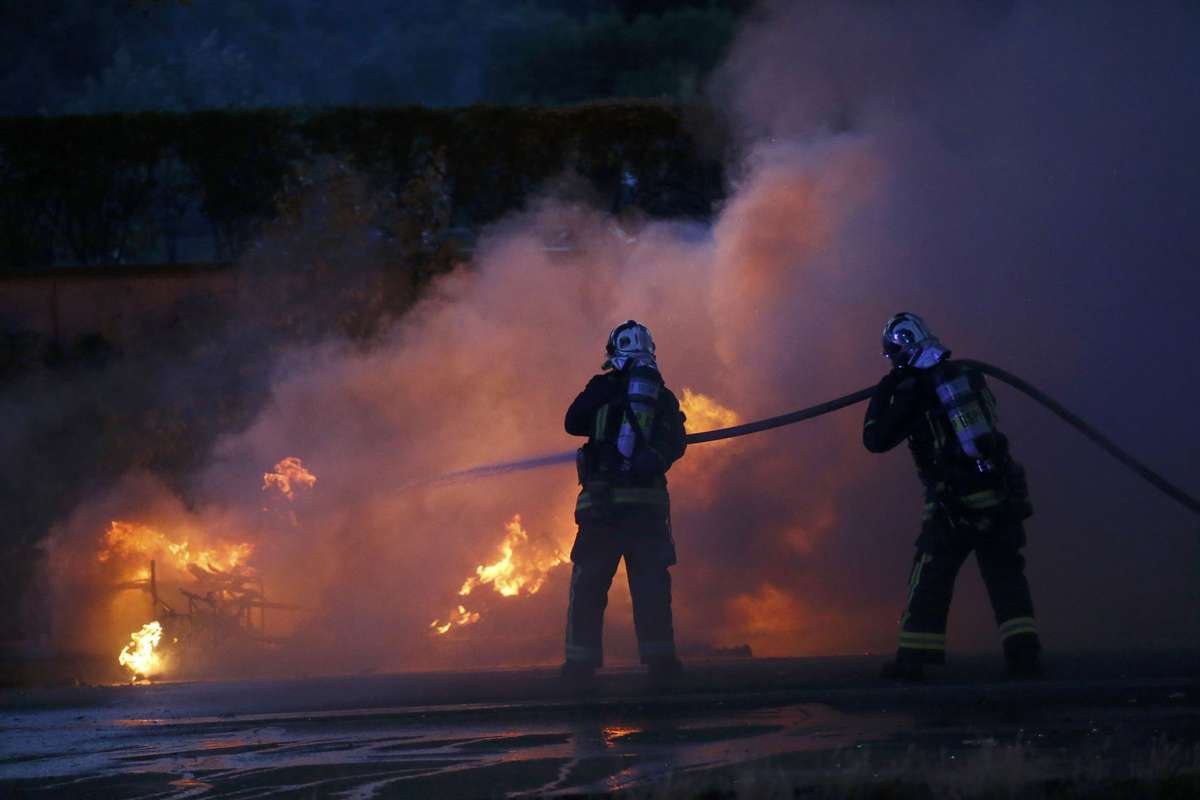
1137	467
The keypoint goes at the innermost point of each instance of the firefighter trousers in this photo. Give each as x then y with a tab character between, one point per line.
644	541
943	546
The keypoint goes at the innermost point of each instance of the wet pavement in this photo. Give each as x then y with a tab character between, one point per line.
521	733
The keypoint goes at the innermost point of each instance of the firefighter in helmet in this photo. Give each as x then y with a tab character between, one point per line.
635	432
976	497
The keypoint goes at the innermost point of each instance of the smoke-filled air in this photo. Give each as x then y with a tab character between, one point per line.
1014	181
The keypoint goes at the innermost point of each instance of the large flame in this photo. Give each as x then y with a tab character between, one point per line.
515	571
125	540
140	656
286	475
705	414
522	567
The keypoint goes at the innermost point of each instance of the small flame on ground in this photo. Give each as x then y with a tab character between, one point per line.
522	567
461	617
140	656
705	414
287	475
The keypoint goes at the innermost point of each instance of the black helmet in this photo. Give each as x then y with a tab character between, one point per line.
908	342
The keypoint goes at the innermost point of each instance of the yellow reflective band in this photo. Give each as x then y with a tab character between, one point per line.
913	580
576	652
984	499
1018	622
628	496
869	423
921	646
601	423
1017	632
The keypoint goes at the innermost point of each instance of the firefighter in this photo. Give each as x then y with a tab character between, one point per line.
635	432
976	497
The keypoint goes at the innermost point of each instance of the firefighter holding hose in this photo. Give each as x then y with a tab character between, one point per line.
635	432
975	496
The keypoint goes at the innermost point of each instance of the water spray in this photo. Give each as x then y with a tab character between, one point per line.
1137	467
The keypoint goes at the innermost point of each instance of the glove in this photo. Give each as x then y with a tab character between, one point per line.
887	384
898	380
647	463
600	391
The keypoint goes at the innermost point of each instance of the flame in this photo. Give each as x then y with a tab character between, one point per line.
522	567
512	573
139	656
461	617
705	414
127	539
288	472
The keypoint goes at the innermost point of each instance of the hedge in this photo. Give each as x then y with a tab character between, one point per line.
119	188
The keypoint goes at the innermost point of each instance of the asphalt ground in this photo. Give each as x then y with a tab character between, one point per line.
825	724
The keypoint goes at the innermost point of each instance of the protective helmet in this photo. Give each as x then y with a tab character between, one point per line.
908	342
628	340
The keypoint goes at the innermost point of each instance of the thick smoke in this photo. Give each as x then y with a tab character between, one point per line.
1025	179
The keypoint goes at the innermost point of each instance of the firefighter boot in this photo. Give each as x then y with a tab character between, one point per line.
1023	663
664	672
578	674
904	668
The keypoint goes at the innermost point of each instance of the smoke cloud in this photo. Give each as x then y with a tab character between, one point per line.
1024	178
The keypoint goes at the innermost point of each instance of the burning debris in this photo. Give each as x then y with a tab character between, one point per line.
221	604
205	597
522	567
125	540
286	475
460	618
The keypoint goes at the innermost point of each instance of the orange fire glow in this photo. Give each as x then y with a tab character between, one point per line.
124	540
523	567
287	475
705	414
141	655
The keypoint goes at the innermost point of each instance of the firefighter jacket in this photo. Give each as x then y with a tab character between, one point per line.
613	485
948	415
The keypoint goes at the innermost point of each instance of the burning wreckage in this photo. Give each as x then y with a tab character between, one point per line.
202	598
199	599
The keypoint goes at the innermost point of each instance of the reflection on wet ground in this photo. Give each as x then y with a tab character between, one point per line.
382	751
167	742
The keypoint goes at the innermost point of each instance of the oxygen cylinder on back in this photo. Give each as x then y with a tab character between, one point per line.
970	419
645	383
